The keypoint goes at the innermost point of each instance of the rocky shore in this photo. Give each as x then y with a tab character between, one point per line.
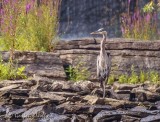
40	99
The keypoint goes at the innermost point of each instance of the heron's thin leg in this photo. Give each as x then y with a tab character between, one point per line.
101	84
104	87
104	90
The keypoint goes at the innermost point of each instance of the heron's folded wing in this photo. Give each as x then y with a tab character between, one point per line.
98	70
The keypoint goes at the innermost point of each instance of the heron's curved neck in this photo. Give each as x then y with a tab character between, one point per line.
103	44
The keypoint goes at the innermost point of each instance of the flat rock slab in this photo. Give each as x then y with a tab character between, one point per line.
151	118
36	112
118	86
52	96
106	116
2	110
52	117
65	94
126	118
11	82
39	63
39	103
23	92
70	108
144	111
9	87
94	109
92	100
113	115
15	114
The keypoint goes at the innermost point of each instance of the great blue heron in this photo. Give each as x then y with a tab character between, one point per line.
103	61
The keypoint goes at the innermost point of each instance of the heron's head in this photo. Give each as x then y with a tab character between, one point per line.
100	31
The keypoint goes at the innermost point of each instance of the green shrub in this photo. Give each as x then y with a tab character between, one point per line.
142	24
77	72
28	26
143	76
111	79
154	77
123	79
134	78
10	72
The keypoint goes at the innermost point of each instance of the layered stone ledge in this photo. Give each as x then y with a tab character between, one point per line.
143	55
39	63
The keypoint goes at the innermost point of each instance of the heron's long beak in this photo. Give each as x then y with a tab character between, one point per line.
94	32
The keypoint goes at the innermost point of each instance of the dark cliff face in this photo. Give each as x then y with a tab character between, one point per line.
80	17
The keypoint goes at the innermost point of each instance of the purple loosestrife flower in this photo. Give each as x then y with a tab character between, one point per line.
129	1
6	1
28	7
1	11
148	17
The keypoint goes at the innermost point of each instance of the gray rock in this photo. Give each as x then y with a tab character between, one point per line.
157	90
39	63
108	116
85	118
36	112
9	87
52	117
81	118
126	87
16	114
145	95
143	112
92	100
65	94
88	85
151	118
56	87
2	110
94	109
126	118
122	91
74	99
69	108
158	105
125	53
52	96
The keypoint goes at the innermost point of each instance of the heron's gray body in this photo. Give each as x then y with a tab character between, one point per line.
103	61
103	65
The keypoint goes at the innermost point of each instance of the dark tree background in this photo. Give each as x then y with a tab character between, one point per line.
80	17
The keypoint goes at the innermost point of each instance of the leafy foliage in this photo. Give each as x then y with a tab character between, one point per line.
25	25
11	72
123	79
77	72
142	24
111	79
134	78
154	77
143	76
149	7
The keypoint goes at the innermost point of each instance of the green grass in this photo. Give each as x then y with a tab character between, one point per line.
136	78
9	71
77	72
